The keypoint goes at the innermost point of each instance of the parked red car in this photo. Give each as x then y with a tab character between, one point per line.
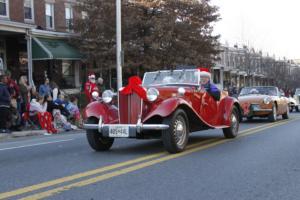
167	104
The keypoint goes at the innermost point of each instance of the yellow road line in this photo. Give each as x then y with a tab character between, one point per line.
136	167
105	169
76	176
85	174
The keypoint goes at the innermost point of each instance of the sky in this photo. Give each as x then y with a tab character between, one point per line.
272	26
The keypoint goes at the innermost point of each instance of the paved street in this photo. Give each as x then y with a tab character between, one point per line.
262	163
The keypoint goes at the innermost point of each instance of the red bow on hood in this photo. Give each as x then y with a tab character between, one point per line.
134	85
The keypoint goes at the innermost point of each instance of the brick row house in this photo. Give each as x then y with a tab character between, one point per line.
34	37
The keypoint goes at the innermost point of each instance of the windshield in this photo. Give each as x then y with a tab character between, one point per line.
259	90
171	77
297	91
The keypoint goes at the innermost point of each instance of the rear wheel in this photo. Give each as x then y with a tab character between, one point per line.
96	141
250	118
175	138
232	131
286	115
273	116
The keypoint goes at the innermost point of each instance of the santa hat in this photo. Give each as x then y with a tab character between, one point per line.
204	72
91	75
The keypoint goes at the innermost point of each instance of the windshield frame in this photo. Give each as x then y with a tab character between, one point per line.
172	84
257	87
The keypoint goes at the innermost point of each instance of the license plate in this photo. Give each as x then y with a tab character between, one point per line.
118	131
255	107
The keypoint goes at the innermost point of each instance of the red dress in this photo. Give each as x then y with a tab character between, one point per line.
89	88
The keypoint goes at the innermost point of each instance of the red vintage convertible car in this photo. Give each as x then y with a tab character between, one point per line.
167	104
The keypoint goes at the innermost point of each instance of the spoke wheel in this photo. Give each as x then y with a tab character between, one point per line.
287	114
273	116
176	137
232	131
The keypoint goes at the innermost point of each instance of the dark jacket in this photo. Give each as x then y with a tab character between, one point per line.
4	96
51	106
213	91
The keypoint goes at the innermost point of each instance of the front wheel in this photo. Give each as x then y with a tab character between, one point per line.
232	131
273	116
286	115
175	138
96	141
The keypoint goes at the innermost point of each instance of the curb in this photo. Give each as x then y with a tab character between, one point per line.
21	134
27	133
30	133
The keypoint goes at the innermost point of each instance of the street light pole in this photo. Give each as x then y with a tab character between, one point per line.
119	44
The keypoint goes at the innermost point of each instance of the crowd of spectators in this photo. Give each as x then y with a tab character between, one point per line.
28	107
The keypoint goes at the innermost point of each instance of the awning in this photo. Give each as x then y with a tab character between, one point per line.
53	49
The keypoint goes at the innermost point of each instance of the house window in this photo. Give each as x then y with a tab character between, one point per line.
4	8
49	16
28	9
84	15
69	18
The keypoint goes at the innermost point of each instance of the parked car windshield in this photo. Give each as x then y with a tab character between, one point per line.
258	90
171	77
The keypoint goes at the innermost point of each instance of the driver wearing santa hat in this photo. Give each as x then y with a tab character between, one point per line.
90	86
207	86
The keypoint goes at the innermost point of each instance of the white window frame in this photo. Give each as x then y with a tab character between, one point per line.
7	10
32	12
52	14
69	6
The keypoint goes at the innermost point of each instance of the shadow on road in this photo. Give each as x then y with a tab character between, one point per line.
155	146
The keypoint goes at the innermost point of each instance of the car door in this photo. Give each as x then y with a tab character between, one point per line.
207	107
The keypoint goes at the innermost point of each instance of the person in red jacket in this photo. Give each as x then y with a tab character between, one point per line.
90	86
13	87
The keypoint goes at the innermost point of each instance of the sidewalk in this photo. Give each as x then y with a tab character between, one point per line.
31	133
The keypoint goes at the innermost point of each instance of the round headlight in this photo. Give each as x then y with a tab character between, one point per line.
181	91
95	95
267	100
152	94
107	96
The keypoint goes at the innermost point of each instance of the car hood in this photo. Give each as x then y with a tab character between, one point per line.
252	98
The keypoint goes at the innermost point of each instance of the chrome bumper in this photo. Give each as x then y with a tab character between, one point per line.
134	129
262	110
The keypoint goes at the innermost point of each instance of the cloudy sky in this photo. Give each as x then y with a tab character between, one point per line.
269	25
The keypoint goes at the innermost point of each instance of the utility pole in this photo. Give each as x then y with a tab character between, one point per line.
119	44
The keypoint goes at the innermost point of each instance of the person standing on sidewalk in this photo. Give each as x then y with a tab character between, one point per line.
89	87
4	104
100	85
45	88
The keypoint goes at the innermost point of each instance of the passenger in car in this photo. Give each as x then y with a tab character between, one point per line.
206	84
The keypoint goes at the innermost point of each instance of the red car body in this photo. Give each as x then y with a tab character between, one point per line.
148	119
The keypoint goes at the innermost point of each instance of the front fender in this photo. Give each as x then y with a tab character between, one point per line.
107	111
226	105
166	108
